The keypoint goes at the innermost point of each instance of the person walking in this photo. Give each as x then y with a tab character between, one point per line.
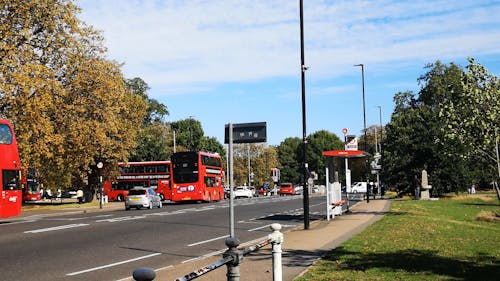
79	195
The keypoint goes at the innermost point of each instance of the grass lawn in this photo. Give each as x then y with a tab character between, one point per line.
451	239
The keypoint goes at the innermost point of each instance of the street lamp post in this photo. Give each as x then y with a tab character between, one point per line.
364	129
303	69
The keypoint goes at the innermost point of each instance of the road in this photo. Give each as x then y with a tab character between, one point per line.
109	245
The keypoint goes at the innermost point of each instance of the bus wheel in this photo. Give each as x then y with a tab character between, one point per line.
162	198
119	198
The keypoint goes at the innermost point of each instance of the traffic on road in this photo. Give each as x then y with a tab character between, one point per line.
110	243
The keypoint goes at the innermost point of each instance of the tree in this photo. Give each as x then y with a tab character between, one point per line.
68	103
414	138
290	166
155	139
262	159
473	116
319	142
188	134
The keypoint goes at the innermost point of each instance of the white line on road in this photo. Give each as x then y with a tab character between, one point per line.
56	228
111	265
121	219
206	241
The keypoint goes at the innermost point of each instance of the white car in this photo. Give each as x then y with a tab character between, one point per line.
242	192
142	197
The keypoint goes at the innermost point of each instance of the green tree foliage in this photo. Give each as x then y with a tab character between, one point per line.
68	103
318	142
290	165
418	137
290	155
473	115
188	133
156	111
211	144
155	138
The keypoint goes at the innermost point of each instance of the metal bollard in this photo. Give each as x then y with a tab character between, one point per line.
144	274
276	240
233	267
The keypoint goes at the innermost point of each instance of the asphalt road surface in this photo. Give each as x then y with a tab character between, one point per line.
109	245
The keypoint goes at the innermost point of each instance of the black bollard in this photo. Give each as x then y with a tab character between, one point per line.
144	274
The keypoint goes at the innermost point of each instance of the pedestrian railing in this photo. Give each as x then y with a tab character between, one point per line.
231	258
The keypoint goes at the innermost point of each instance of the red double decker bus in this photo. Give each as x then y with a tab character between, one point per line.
197	176
30	184
10	172
154	174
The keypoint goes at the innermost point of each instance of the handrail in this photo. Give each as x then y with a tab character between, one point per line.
231	258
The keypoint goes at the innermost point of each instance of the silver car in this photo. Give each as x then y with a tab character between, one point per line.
142	197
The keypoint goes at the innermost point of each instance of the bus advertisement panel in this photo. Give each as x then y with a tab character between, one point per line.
10	169
154	174
197	176
30	184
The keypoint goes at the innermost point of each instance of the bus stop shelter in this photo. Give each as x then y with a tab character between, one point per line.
334	200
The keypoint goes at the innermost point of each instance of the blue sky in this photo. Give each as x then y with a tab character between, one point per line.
239	61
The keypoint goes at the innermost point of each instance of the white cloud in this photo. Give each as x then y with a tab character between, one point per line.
184	42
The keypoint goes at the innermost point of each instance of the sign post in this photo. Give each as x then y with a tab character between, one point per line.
240	133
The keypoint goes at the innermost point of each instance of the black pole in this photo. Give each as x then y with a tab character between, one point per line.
364	130
303	69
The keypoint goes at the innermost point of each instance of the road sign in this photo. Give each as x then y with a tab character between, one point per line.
247	133
344	131
352	142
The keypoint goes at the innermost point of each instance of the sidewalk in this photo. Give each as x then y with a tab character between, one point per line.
301	248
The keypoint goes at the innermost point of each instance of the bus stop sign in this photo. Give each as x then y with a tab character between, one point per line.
247	133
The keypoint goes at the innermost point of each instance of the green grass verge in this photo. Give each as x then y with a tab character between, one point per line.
420	240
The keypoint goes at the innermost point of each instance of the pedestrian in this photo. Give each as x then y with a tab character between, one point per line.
79	195
473	189
48	193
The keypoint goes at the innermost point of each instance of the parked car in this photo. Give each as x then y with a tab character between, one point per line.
358	187
286	189
298	189
142	197
252	188
262	191
242	192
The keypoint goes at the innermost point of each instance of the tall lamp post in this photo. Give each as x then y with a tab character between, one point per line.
303	69
364	129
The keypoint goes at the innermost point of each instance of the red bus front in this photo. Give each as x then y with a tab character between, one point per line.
10	188
30	185
197	176
154	174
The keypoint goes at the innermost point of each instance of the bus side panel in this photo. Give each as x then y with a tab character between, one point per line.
10	203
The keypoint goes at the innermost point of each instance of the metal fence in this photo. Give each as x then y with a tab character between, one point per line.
231	258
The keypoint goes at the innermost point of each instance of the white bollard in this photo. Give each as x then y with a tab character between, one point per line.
276	240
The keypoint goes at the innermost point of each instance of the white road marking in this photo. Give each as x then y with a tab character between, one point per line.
122	219
209	240
111	265
56	228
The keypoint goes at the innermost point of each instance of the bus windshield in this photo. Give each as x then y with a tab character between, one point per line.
5	134
185	167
